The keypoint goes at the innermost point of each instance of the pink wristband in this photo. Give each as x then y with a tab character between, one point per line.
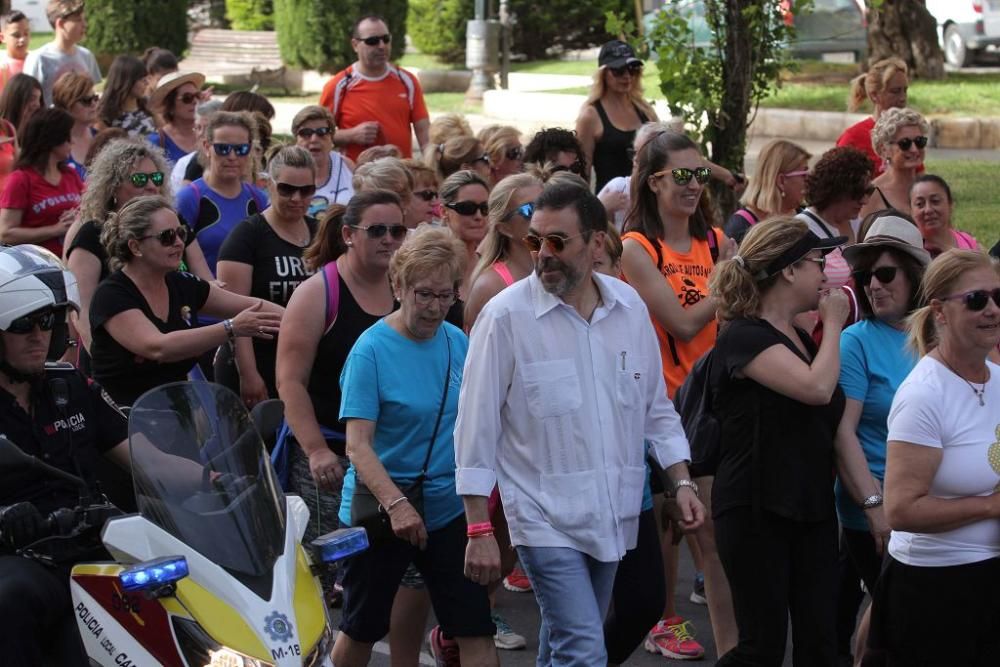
477	528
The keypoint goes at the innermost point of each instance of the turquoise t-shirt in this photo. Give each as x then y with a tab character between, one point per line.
874	361
397	383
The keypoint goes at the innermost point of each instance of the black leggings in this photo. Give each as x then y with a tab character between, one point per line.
639	593
778	567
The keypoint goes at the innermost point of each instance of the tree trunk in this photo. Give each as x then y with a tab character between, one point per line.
905	29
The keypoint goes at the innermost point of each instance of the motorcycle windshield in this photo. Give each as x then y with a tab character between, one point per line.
203	475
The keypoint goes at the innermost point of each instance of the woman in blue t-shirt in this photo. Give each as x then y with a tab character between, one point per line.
875	359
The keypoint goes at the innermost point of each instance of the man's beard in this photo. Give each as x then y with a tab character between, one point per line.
560	286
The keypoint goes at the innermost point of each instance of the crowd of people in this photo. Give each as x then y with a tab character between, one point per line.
477	338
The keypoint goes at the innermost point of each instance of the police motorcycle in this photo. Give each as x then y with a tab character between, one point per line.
211	571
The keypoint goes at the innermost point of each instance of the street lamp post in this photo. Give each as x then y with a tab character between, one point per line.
482	47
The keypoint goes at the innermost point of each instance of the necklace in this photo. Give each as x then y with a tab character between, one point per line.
977	391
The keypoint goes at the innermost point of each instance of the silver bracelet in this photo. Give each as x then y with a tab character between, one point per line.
397	501
228	326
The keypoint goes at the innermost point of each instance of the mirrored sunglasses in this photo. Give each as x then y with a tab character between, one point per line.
140	179
225	149
524	210
27	323
683	175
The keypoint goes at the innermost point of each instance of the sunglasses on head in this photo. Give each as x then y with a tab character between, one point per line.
308	132
375	39
555	242
168	236
225	149
89	99
139	179
683	175
515	153
188	98
632	68
378	231
904	144
885	275
975	300
27	323
426	195
288	190
524	210
468	207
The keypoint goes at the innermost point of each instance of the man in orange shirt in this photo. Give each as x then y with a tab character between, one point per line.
373	101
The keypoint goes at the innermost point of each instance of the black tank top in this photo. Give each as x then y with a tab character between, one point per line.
611	150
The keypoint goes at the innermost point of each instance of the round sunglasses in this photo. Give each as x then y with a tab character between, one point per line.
904	144
976	300
140	179
885	275
168	236
468	207
308	132
378	231
25	324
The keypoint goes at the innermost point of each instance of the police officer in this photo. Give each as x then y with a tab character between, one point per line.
63	419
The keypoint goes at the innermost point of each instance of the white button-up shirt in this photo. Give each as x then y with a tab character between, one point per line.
556	409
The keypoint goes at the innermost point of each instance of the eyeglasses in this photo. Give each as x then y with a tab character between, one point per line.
885	275
375	39
188	98
524	210
225	149
27	323
632	68
89	99
975	300
289	190
904	144
555	242
426	195
139	178
308	132
792	174
468	207
378	231
168	236
819	260
516	153
425	297
683	175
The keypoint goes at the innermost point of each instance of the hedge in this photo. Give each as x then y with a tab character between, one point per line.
250	14
115	27
316	34
438	26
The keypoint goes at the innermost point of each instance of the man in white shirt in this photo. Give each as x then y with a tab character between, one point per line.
562	386
64	53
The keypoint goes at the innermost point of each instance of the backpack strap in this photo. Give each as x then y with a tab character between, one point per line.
331	279
713	244
748	216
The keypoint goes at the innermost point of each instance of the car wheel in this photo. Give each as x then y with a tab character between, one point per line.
955	53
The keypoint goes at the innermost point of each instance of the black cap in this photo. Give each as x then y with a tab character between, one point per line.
802	247
616	53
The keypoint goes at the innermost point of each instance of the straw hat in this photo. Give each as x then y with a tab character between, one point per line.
172	81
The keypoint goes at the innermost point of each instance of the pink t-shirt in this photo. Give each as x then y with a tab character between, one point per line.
41	203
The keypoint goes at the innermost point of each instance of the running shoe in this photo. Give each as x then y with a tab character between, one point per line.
517	581
672	638
445	651
505	638
698	590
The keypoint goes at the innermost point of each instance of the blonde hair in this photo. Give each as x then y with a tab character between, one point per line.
496	246
874	81
131	222
387	173
426	251
448	126
776	158
447	158
938	282
373	153
496	138
597	90
421	173
734	281
892	121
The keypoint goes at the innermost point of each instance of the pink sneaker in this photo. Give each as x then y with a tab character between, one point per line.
672	638
517	581
445	651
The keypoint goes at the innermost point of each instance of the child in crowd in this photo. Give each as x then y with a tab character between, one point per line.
15	33
64	53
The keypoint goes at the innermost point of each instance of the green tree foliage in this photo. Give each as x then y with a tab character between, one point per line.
438	26
316	34
250	14
131	26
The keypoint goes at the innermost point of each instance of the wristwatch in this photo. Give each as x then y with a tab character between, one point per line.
685	482
872	501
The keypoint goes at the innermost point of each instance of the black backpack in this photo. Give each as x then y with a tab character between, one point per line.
693	402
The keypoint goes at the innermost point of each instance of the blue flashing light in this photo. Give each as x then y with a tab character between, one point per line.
340	544
154	573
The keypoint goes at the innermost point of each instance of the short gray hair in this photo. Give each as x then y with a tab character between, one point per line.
891	121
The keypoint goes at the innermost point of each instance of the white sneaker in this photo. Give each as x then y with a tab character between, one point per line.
505	638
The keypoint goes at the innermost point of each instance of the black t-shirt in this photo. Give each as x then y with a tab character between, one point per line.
125	375
91	424
790	470
277	270
88	237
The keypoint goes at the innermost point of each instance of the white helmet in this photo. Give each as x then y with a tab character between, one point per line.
32	278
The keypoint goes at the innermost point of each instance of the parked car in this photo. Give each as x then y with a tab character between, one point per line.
966	28
831	30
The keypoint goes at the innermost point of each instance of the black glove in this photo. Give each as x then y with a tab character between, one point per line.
20	525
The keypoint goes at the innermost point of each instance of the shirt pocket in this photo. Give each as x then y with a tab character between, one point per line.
633	482
569	500
551	388
628	383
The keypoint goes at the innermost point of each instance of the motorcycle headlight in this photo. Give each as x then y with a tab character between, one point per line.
225	657
200	650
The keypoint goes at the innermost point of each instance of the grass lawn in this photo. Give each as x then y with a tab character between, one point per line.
973	184
451	103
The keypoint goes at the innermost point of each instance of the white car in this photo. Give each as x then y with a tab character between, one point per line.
966	28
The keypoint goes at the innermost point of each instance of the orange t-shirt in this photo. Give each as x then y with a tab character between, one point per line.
395	100
687	276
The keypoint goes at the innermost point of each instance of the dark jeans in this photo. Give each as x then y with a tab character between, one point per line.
37	626
778	567
639	594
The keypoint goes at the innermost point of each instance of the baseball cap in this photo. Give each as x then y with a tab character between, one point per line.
616	53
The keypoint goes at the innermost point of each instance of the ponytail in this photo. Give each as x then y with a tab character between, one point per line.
921	331
857	94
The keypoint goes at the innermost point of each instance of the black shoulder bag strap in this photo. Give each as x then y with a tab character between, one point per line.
437	424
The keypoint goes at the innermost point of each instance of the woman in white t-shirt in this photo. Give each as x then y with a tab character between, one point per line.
942	478
313	128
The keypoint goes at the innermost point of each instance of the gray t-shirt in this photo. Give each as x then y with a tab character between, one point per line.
48	63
